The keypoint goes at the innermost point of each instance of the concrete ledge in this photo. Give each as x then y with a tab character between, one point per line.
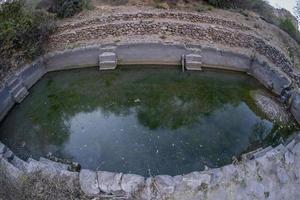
6	102
30	74
215	58
151	53
76	58
270	76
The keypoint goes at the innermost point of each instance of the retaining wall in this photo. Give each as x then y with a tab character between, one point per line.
152	53
178	187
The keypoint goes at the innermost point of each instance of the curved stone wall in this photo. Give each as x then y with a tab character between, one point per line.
265	172
196	27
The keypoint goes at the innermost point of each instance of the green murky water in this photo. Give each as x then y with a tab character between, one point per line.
134	120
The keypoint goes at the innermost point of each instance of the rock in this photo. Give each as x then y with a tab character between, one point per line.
282	175
273	110
165	185
12	174
57	165
146	193
2	148
8	154
110	182
255	190
289	158
19	163
89	183
69	179
131	183
196	180
163	5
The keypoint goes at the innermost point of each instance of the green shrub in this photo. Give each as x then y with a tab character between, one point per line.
287	25
23	33
68	8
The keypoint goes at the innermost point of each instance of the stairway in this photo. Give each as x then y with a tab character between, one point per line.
108	58
16	88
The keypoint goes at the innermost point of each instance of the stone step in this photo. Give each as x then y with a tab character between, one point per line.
8	154
16	89
249	155
12	82
19	163
193	58
20	95
193	65
3	148
109	49
280	148
57	165
262	152
291	144
107	56
107	61
193	62
70	179
11	172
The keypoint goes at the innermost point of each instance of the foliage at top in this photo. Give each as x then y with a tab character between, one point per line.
23	33
262	8
68	8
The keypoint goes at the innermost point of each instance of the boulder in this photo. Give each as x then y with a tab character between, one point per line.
110	182
89	183
131	183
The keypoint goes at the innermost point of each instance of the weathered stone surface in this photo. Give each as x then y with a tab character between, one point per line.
19	163
131	183
270	76
57	165
12	173
3	148
273	109
295	105
8	154
165	185
147	192
89	182
110	182
71	179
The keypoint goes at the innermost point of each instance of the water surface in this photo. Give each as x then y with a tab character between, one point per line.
140	121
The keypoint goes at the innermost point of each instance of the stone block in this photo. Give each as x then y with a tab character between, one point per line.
8	154
19	163
57	165
165	185
70	179
110	182
12	173
89	183
131	183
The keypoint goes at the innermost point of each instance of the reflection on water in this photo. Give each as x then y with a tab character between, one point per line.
135	120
